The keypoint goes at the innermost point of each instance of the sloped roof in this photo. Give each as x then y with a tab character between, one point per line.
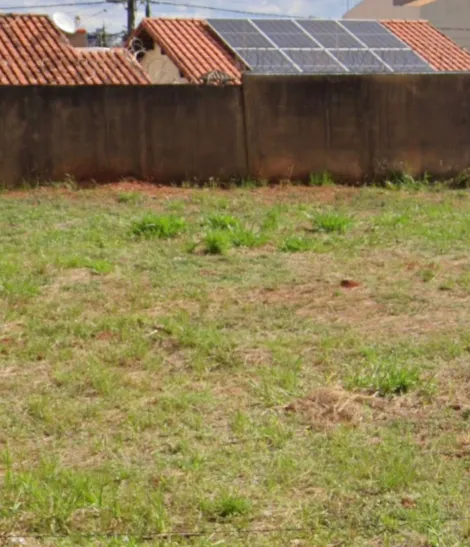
34	52
435	47
192	47
196	50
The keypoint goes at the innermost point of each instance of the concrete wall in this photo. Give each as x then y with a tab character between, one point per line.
161	68
358	128
162	133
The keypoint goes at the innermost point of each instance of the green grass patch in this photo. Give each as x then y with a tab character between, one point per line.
217	242
225	507
222	222
131	198
174	392
159	226
330	222
296	244
321	179
386	378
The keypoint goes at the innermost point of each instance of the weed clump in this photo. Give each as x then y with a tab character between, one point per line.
159	226
330	221
217	242
231	232
387	378
296	244
129	197
225	507
222	222
321	179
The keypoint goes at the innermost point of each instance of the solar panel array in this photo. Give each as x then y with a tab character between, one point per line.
316	46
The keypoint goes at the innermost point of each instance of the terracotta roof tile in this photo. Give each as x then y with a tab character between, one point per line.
196	50
435	47
34	52
192	46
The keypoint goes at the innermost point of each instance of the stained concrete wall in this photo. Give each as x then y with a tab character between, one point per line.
358	128
161	133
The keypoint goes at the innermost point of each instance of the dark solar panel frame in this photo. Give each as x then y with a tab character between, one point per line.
404	61
360	61
381	41
315	61
373	34
239	33
267	61
295	46
285	33
330	34
363	27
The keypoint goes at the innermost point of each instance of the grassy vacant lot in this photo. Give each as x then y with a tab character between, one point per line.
285	366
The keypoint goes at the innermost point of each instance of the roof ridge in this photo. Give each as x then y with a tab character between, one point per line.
175	18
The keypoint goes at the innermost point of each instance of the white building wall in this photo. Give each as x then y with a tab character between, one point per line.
452	17
381	9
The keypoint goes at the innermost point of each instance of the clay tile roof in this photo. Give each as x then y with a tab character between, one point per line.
34	52
435	47
191	45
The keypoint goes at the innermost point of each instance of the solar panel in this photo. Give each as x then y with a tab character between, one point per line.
373	34
239	33
363	27
404	61
314	61
329	34
285	33
359	60
267	61
317	46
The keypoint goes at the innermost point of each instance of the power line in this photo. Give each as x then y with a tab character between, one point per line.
213	8
44	6
155	2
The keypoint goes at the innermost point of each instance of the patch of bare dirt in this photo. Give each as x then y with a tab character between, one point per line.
327	407
349	284
388	297
68	277
270	194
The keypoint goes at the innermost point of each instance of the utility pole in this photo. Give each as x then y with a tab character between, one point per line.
147	9
130	16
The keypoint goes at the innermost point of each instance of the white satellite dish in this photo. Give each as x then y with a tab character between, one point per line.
64	22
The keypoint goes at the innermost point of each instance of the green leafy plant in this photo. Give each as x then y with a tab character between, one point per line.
296	244
225	507
217	242
330	221
222	222
321	179
129	197
271	220
386	378
244	237
160	226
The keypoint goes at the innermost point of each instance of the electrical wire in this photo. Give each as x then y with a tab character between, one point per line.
44	6
154	2
213	8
